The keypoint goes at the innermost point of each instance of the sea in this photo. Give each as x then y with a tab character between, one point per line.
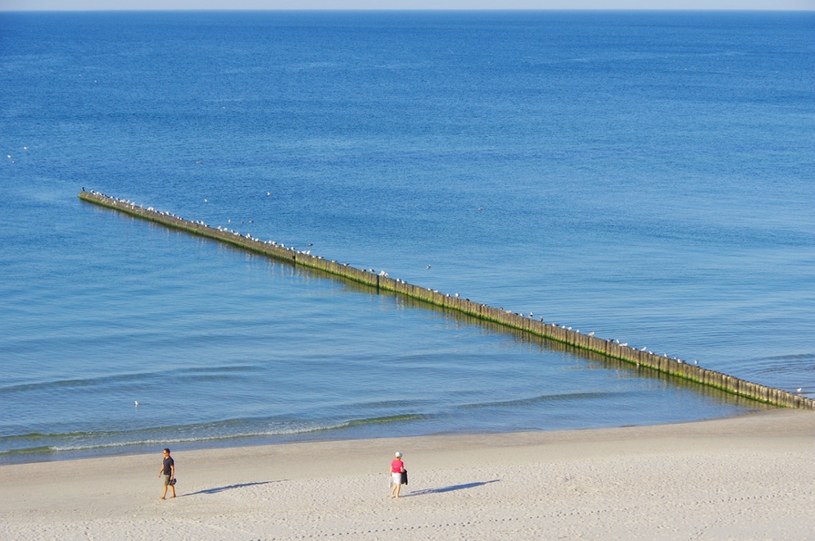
646	176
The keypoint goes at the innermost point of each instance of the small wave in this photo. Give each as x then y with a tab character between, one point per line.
28	451
383	420
36	436
91	441
538	399
374	405
780	364
128	378
797	357
135	443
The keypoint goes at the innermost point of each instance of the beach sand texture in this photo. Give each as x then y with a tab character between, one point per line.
750	477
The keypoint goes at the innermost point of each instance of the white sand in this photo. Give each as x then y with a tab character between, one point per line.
746	478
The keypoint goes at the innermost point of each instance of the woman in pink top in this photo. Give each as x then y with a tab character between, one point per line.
397	467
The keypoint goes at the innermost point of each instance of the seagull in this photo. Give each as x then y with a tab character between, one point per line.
136	403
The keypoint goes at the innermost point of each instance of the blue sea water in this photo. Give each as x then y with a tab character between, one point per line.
643	175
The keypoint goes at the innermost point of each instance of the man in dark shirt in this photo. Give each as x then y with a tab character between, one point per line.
168	472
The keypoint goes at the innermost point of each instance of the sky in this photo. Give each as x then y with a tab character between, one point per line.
54	5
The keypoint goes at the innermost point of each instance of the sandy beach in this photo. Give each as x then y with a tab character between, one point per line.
750	477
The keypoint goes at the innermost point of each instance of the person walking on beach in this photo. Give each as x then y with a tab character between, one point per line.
168	472
397	471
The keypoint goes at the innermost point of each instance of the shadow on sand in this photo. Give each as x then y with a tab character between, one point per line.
216	490
451	488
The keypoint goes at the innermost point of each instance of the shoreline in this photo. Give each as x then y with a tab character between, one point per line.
224	443
738	477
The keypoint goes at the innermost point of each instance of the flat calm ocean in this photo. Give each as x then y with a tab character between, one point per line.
644	175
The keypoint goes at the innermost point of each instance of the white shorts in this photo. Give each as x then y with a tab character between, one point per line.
396	478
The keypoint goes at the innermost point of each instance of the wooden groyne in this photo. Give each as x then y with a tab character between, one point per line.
382	282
